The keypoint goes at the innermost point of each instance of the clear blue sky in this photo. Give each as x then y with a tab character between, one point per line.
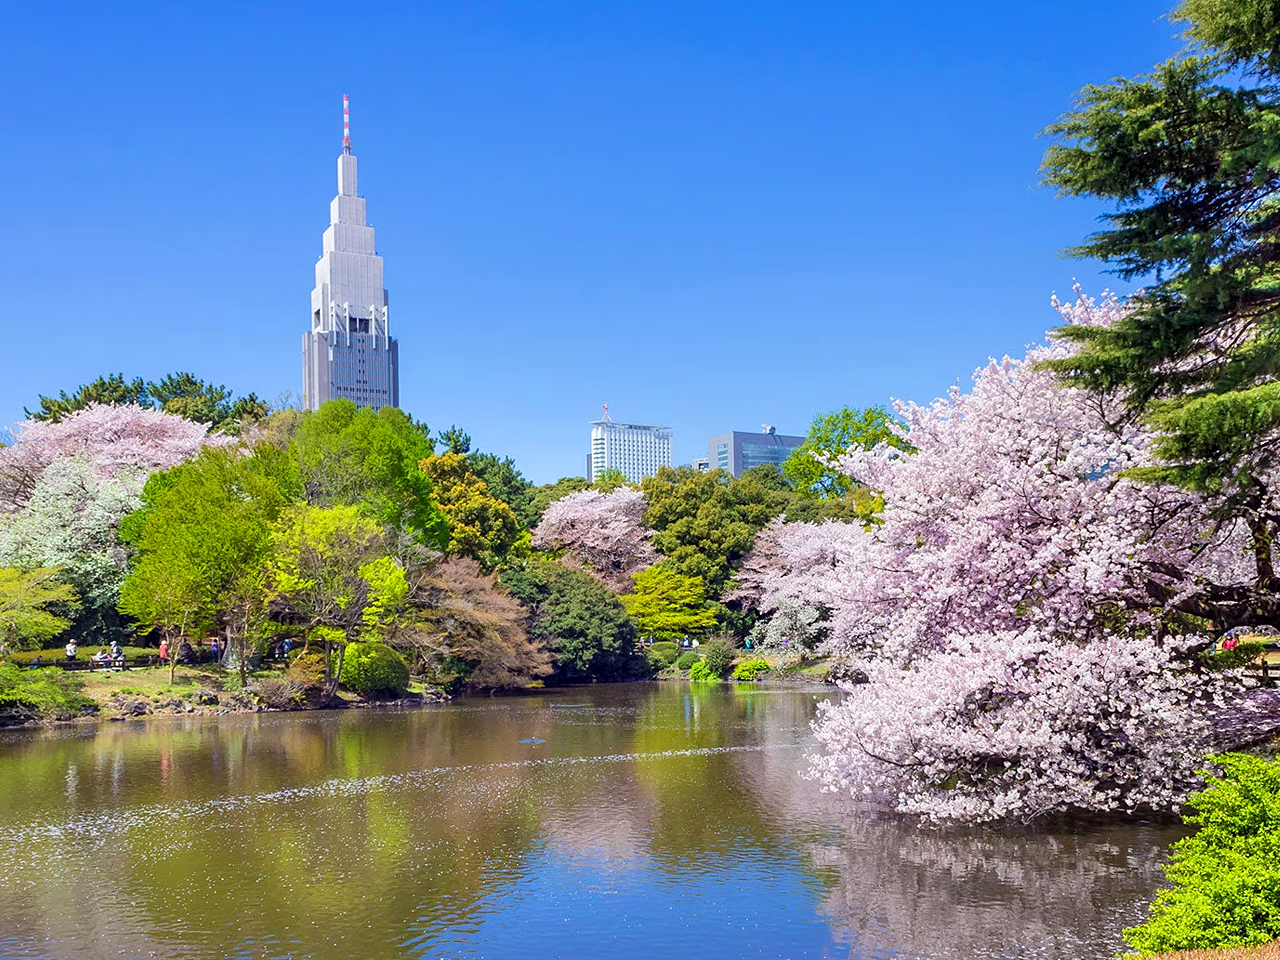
710	215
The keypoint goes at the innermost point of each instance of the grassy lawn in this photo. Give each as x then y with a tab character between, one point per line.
151	682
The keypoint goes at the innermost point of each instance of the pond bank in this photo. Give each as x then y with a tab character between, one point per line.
197	691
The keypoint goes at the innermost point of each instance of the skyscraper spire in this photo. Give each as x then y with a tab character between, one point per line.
346	124
349	351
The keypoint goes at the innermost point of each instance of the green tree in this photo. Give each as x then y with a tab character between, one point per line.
349	455
481	526
181	394
586	628
328	577
112	389
809	470
506	483
202	537
1188	158
705	523
25	598
667	604
456	440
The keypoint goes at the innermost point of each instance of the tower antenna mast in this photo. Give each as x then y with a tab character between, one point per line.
346	124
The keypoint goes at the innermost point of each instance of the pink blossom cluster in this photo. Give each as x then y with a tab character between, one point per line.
602	532
1011	514
1016	725
112	439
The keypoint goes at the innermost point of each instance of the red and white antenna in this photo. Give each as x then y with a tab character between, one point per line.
346	123
606	411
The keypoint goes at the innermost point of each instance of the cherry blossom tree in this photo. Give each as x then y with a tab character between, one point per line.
111	439
604	533
1013	513
1020	610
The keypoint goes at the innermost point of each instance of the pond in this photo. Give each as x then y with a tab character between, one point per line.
605	821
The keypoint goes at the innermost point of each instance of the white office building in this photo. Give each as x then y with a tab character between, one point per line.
636	450
349	351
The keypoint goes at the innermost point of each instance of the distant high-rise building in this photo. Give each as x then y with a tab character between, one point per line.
735	452
636	450
349	351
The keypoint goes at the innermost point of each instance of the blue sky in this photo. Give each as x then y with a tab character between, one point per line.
706	214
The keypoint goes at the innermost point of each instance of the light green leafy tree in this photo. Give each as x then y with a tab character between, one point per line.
202	538
809	467
349	455
25	599
330	578
667	604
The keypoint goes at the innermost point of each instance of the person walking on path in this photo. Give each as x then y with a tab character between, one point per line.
214	649
164	651
72	649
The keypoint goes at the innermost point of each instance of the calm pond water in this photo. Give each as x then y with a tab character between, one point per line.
654	819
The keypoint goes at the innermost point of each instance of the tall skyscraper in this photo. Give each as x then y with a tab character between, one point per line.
349	351
637	450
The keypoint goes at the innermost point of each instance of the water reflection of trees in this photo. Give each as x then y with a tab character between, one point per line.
381	835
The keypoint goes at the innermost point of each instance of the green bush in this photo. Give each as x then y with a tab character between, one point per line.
1226	877
750	669
665	650
374	669
718	657
701	673
1243	655
26	693
687	660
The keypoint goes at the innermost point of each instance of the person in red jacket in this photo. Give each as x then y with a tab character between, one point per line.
164	651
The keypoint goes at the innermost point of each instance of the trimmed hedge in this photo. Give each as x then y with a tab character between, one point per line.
664	650
701	673
24	657
687	660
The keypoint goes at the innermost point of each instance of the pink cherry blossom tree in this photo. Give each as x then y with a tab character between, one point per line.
1016	609
604	533
110	439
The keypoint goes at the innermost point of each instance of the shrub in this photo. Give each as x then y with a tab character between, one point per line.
1243	655
656	663
666	650
750	669
29	694
701	673
279	692
719	658
1225	877
375	670
687	660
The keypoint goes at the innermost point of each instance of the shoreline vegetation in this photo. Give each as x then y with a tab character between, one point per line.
207	690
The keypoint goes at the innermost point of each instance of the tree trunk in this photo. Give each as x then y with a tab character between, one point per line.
1262	535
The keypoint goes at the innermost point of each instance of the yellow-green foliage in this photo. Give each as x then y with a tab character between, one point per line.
750	669
1226	877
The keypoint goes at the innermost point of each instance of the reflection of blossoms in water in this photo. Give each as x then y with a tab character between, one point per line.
906	893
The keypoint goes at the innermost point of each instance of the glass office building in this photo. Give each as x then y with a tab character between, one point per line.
736	451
